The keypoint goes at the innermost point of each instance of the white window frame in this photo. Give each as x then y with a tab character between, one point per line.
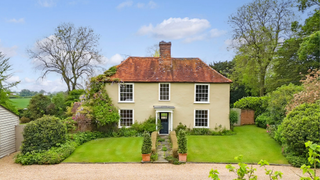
119	97
195	95
119	124
169	91
194	118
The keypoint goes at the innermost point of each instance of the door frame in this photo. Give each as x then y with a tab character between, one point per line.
170	119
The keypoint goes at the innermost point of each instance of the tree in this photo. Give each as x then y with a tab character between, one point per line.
5	86
71	52
38	106
257	30
153	51
309	51
304	4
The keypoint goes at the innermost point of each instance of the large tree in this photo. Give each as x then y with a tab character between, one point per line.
258	28
70	52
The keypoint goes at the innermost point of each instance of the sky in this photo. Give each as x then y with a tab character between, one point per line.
126	28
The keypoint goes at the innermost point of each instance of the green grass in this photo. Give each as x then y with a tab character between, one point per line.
124	149
21	102
250	141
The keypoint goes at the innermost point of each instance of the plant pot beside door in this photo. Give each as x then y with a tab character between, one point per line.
146	147
182	145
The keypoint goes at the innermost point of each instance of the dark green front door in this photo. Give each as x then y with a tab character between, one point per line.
164	118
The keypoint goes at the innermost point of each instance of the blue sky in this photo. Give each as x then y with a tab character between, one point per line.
127	28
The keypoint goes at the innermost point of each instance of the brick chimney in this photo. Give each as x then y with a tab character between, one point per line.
165	52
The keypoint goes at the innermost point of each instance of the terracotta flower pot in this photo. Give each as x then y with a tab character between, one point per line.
183	157
146	157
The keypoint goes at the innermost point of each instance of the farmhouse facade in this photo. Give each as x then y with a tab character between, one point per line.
173	90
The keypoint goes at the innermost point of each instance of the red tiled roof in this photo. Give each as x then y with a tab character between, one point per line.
151	69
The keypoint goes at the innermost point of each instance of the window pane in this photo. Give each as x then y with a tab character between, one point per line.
126	92
201	118
202	92
164	91
126	117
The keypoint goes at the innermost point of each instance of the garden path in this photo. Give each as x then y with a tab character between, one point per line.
161	153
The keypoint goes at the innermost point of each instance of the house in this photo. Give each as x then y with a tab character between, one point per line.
8	121
173	90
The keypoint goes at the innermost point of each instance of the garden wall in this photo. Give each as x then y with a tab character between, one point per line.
19	136
247	116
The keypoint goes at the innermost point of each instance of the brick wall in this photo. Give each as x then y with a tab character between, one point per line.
247	116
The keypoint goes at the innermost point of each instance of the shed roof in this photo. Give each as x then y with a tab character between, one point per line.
152	69
8	110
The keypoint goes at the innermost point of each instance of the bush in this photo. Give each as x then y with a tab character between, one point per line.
24	120
233	117
127	132
301	125
182	142
70	123
258	104
279	100
180	127
263	119
38	106
200	131
148	125
73	96
43	133
146	145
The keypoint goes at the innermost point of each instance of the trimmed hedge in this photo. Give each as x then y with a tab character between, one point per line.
258	104
182	142
56	155
146	145
43	133
154	136
174	142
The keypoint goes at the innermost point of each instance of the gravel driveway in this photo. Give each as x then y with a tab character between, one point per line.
9	170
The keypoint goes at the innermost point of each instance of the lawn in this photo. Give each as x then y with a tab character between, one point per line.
21	102
124	149
250	141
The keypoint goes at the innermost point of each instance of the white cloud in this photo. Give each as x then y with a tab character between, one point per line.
125	4
114	60
217	33
46	3
8	51
13	79
175	28
28	80
152	4
21	20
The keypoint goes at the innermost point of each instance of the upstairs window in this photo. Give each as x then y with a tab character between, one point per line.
164	92
202	93
126	93
126	117
201	118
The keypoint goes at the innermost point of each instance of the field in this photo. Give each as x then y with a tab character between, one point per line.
21	102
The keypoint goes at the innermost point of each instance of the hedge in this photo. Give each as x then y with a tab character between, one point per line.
174	142
258	104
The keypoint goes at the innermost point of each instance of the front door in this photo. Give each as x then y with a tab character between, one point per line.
164	118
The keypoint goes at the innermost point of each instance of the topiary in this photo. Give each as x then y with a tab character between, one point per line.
182	142
302	124
147	144
43	133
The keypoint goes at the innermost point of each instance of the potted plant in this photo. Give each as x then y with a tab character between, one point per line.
146	147
182	145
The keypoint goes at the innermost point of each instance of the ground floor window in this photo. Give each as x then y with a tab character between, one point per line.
201	118
126	117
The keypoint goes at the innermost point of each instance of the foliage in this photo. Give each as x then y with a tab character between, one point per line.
70	123
272	175
58	103
263	119
154	157
57	154
304	4
223	67
243	169
233	117
310	92
278	100
24	120
27	93
257	28
146	145
214	174
73	96
148	125
258	104
301	125
314	158
172	160
38	106
42	134
164	148
180	127
182	142
309	50
70	52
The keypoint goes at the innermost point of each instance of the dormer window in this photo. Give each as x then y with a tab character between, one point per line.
126	92
164	91
202	92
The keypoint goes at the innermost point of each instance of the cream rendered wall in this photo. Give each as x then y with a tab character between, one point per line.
146	95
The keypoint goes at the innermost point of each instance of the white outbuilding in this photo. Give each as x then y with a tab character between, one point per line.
8	121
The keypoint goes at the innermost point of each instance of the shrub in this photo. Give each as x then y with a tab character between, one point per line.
73	96
148	125
59	106
179	127
38	106
279	100
182	142
200	131
263	119
127	132
70	123
146	145
233	117
301	125
24	120
43	133
258	104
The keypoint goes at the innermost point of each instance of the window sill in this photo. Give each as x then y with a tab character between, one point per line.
201	127
164	100
124	126
124	102
201	102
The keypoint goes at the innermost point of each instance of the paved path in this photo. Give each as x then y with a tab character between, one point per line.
9	170
163	154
